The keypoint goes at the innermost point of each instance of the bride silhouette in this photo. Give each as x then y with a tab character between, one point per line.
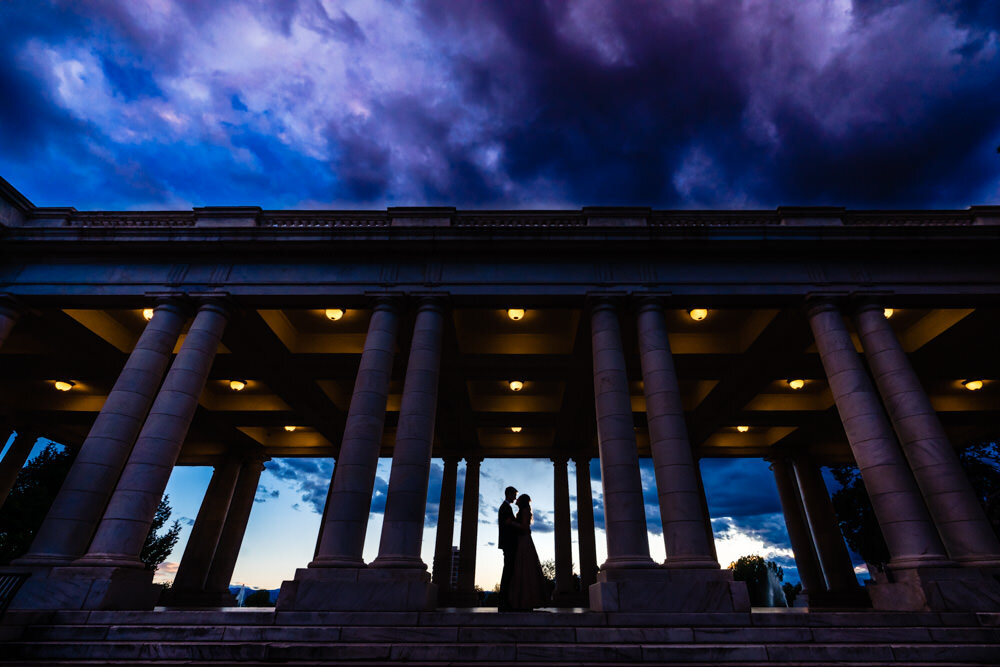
529	587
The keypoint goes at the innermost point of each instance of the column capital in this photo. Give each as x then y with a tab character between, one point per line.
613	301
11	306
645	302
176	302
387	301
582	459
220	303
473	460
862	304
451	460
820	303
559	460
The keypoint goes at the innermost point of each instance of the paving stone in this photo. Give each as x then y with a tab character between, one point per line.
403	634
523	635
281	652
752	635
870	635
633	635
578	652
829	653
935	653
703	653
452	652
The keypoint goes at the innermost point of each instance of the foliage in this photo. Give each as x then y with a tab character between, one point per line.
791	592
857	517
549	569
259	598
981	462
158	547
763	579
29	500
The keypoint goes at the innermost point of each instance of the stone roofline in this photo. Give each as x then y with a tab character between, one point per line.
17	211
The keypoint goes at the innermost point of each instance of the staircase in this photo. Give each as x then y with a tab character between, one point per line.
484	637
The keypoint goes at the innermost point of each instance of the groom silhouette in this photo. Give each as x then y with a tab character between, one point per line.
508	544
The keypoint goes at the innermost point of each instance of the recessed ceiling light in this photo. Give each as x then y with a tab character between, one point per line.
334	313
973	385
515	429
796	384
237	385
515	313
698	314
742	429
888	312
64	385
290	428
147	313
516	385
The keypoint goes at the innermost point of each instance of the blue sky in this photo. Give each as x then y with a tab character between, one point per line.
160	104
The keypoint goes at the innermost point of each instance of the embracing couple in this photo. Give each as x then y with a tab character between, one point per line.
522	584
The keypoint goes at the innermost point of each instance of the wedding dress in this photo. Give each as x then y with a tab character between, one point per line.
529	587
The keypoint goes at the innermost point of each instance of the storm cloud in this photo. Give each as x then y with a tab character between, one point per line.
714	103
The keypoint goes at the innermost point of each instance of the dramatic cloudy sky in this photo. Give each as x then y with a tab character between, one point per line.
152	104
724	103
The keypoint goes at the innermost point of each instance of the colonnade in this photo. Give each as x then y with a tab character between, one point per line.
87	551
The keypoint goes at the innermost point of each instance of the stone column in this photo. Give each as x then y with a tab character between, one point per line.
205	534
326	511
71	521
13	461
446	525
563	529
130	512
831	550
585	523
901	513
703	501
624	513
220	574
469	539
351	498
9	314
958	516
406	498
799	535
687	545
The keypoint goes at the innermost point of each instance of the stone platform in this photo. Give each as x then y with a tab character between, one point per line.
485	637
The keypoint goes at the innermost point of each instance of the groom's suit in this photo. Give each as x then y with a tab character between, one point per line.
508	543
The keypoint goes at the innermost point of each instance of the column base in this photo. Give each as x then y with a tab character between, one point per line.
856	598
102	588
357	589
187	598
666	590
937	589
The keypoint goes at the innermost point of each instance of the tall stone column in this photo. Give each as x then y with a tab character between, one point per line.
446	525
806	561
220	574
9	314
822	520
338	578
351	498
629	580
563	529
469	538
901	513
624	512
14	460
406	498
703	501
326	512
585	523
130	511
687	545
189	583
71	521
958	516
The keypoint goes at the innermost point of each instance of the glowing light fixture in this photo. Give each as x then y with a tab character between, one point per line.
290	428
237	385
64	385
147	313
888	312
973	385
515	313
515	429
334	313
796	384
742	429
698	314
516	385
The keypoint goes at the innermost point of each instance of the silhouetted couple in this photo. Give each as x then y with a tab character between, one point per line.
522	584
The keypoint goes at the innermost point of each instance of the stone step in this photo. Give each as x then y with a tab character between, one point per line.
592	635
551	654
